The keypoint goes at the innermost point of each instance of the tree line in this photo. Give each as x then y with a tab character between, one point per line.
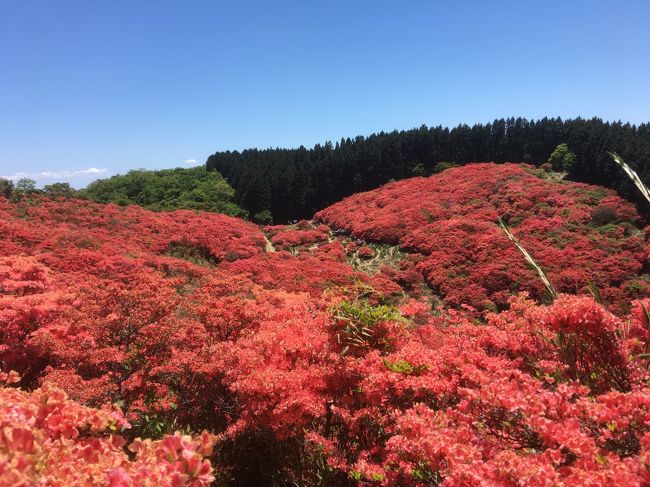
167	190
164	190
288	184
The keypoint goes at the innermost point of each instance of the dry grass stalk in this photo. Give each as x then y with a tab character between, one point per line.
542	275
632	174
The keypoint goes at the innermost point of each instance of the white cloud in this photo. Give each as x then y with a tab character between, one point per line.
91	171
190	162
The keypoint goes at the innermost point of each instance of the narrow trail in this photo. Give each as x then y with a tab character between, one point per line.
372	266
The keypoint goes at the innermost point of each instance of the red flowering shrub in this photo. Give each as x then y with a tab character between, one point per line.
293	238
112	241
304	225
366	252
378	399
110	346
47	439
27	302
22	276
223	311
305	273
271	230
304	233
406	275
587	342
330	251
451	219
309	372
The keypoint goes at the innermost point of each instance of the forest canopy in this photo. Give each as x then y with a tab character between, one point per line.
168	189
295	183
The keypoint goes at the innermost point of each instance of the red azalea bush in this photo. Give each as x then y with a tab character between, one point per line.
406	275
500	403
111	344
308	372
577	232
331	251
365	252
28	301
112	241
303	233
294	238
47	439
306	273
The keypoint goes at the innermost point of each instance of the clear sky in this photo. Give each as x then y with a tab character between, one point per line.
90	88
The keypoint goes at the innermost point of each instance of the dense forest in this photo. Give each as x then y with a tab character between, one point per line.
167	190
295	183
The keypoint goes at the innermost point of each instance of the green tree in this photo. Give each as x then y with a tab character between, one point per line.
562	158
418	170
26	186
167	190
301	181
59	189
442	166
263	217
6	187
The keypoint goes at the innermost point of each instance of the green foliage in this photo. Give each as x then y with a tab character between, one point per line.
404	367
366	314
427	214
442	166
562	159
595	291
167	190
423	473
603	215
26	186
356	475
156	425
6	187
635	286
59	189
22	188
263	217
359	324
418	170
295	183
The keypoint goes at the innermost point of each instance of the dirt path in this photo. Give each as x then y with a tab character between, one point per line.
387	254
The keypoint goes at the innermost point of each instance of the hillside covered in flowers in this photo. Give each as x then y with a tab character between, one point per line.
578	232
398	339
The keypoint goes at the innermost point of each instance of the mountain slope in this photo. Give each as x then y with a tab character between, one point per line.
576	231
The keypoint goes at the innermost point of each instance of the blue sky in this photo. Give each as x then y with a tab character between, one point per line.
90	88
